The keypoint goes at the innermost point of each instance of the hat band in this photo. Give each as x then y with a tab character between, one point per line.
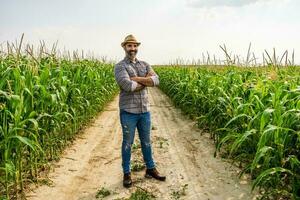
133	41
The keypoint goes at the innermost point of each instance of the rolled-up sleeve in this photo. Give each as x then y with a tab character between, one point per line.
155	80
123	79
154	77
133	86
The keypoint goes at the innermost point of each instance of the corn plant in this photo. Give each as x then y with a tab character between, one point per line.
44	101
253	115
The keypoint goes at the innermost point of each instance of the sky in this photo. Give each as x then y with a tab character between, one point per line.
167	29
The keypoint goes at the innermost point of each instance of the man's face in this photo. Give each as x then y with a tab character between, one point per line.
131	49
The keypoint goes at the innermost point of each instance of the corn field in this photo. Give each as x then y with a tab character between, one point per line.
44	102
253	115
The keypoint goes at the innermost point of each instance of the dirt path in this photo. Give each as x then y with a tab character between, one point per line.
180	152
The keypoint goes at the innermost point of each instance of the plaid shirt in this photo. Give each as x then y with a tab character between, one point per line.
130	100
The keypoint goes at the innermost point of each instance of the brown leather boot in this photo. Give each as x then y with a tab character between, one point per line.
153	173
127	182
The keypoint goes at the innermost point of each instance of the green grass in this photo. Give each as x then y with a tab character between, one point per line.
177	194
253	115
102	193
137	165
141	194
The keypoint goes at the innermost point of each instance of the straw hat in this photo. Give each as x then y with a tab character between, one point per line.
130	38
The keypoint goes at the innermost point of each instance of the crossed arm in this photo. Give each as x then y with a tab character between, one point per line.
132	84
142	82
146	81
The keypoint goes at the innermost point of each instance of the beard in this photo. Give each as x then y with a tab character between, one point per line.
131	53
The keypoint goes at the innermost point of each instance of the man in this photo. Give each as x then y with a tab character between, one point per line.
134	76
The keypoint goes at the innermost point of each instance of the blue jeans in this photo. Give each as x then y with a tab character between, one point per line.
130	121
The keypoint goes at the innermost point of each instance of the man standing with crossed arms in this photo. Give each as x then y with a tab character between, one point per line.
134	76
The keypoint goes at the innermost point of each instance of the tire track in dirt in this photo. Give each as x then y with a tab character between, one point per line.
82	165
208	177
180	150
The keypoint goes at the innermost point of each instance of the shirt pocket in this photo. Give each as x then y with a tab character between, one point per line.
143	72
131	71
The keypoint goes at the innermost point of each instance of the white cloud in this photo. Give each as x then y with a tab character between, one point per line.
222	3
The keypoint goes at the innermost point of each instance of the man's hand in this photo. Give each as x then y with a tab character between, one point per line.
137	79
151	73
139	87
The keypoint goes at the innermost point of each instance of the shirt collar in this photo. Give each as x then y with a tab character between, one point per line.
127	60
